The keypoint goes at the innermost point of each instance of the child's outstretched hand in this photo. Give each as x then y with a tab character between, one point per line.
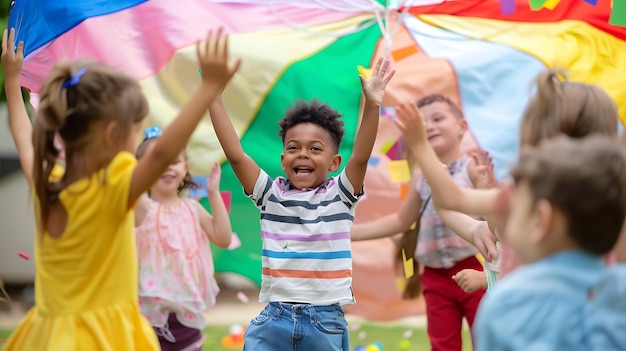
213	59
213	181
480	170
12	61
374	88
411	123
470	280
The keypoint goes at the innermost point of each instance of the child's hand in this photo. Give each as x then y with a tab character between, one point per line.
213	59
411	123
12	61
471	280
485	242
213	180
374	89
480	170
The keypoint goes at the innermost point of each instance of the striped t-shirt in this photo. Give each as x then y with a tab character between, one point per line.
306	254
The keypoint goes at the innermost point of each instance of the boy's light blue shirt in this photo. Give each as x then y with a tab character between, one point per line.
569	301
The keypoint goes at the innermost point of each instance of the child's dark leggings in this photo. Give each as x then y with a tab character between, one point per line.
177	337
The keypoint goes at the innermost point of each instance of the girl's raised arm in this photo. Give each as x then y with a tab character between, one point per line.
213	58
21	127
217	227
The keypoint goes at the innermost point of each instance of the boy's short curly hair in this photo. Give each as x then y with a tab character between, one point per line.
314	112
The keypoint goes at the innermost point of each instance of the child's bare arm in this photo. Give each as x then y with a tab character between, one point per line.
445	191
471	230
141	209
374	91
217	227
213	57
21	127
393	223
246	170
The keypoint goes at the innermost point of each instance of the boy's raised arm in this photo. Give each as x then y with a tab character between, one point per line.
374	91
245	168
21	127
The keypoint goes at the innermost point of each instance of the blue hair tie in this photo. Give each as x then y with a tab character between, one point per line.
152	132
74	79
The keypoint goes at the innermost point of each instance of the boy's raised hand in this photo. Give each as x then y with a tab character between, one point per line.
213	181
374	88
12	61
411	123
213	59
480	170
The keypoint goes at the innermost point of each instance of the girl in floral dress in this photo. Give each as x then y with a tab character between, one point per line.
176	283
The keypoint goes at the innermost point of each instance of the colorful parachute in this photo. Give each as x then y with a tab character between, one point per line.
482	53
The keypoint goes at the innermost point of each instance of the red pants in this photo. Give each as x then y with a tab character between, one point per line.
447	304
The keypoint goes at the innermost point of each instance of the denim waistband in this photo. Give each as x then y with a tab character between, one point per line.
284	309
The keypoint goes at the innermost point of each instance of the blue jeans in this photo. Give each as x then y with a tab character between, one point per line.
298	327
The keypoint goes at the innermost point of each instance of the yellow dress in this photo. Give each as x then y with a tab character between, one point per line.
86	281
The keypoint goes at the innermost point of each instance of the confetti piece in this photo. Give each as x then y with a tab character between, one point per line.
24	255
387	112
396	151
593	2
551	4
241	296
199	193
413	225
355	326
373	161
408	266
507	7
387	146
404	191
403	53
399	171
234	242
365	72
618	14
362	335
407	334
227	198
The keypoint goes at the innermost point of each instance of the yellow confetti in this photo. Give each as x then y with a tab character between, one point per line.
387	146
399	171
408	266
366	72
413	225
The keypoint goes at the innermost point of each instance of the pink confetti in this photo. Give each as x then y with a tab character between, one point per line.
362	335
355	326
407	334
24	255
242	297
234	242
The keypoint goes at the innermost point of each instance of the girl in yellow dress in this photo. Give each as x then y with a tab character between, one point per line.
86	279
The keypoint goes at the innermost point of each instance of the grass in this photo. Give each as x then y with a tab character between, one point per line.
389	336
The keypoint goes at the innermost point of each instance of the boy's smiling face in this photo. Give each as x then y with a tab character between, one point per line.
309	155
444	129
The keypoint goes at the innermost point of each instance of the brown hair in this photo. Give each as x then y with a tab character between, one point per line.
187	180
73	98
563	107
586	180
432	98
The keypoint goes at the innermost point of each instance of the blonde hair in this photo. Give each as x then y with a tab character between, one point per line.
73	97
570	108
